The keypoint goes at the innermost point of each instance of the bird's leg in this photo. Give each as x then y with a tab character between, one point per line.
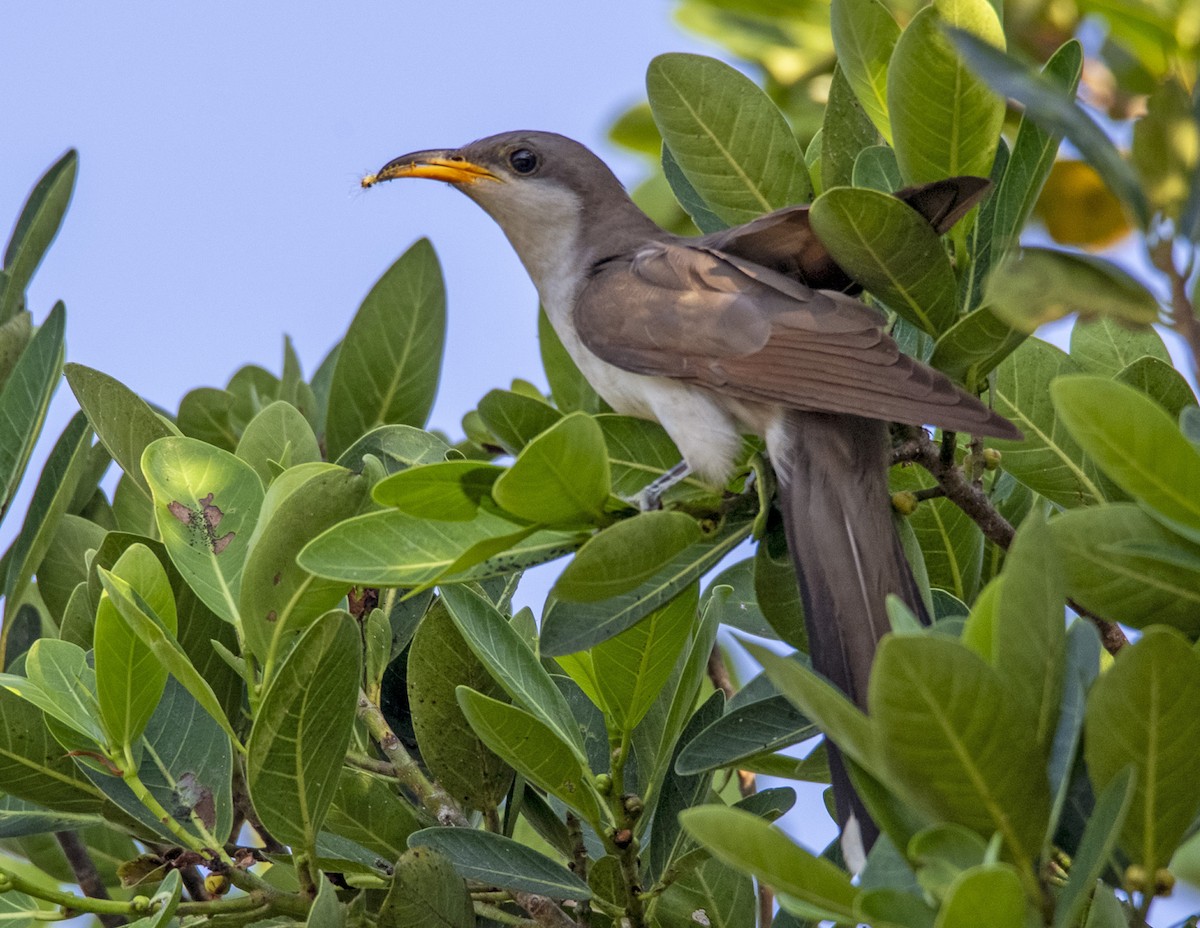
650	496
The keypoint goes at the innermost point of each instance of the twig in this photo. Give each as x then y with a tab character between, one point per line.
1183	313
86	874
918	448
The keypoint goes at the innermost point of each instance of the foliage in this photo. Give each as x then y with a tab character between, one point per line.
236	661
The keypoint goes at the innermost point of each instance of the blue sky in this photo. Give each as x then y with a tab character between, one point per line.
217	204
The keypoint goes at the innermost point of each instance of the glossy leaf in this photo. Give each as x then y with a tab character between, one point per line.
1137	444
277	597
746	730
52	496
511	662
122	420
395	447
1048	460
1161	382
864	35
24	400
449	491
1042	285
1105	347
206	505
393	548
924	696
499	861
748	843
533	749
891	250
1046	105
302	729
626	555
277	438
632	667
438	662
974	346
945	120
426	893
1145	712
61	684
129	677
561	476
36	228
730	140
388	365
992	888
515	419
570	627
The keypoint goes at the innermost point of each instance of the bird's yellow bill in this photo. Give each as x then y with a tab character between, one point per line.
453	171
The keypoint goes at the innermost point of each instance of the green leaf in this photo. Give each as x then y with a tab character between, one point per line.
950	541
747	729
368	810
205	413
206	503
568	627
1004	214
142	616
713	893
1041	285
278	597
448	491
129	678
61	684
568	387
534	749
515	419
122	420
33	765
1145	712
1030	634
1161	382
36	228
1046	105
732	143
945	120
15	334
974	346
277	438
499	861
25	399
632	667
864	35
426	893
992	888
746	842
1048	460
891	250
326	911
511	662
1096	846
1123	564
393	548
924	698
1137	444
1105	347
388	366
640	451
302	729
625	555
560	477
686	196
438	662
846	131
823	703
395	447
736	604
53	494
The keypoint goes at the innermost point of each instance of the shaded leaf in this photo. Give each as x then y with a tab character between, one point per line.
36	228
277	438
561	476
864	35
426	893
499	861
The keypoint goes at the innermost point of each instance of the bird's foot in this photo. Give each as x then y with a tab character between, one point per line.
649	498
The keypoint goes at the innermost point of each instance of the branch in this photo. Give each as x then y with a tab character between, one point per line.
918	448
86	874
1183	313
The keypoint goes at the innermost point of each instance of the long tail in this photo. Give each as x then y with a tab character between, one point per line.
833	492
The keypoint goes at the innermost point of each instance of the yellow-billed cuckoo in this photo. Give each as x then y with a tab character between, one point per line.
744	330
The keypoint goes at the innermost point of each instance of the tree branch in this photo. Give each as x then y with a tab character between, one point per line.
86	874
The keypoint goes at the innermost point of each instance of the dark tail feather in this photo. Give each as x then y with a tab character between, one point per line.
832	473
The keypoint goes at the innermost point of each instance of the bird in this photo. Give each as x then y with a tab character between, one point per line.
754	329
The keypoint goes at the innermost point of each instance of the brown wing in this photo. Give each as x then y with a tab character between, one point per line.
745	331
784	241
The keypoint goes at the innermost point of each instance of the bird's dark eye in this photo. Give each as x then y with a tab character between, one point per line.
523	161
